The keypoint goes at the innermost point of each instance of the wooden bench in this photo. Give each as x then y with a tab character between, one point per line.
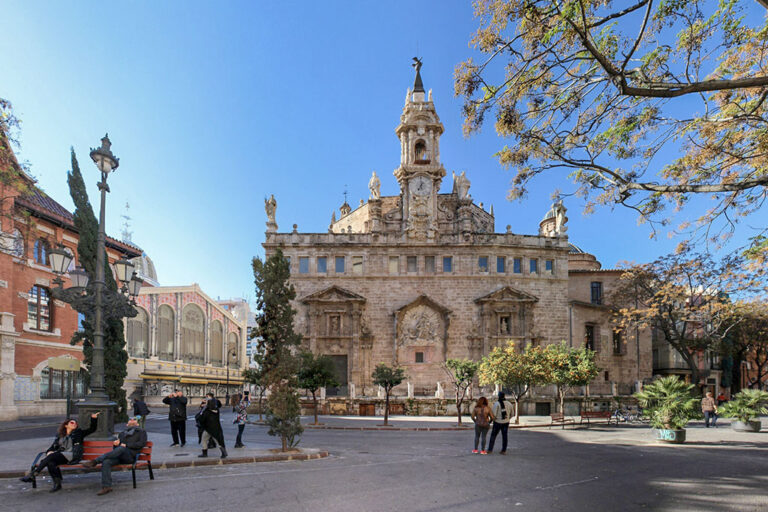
559	419
596	415
92	449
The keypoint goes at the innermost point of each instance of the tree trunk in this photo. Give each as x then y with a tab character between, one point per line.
517	410
284	440
561	397
459	401
314	401
386	408
261	400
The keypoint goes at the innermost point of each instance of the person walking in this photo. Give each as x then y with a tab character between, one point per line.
709	408
177	415
67	448
128	444
502	412
482	416
241	410
211	422
140	410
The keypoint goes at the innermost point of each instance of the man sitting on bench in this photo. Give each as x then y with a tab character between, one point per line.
129	442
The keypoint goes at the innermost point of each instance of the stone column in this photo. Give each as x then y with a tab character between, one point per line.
152	353
177	331
8	337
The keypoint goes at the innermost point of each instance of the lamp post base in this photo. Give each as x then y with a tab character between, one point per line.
105	431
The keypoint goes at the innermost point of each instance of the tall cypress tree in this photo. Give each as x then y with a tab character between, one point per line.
278	342
115	356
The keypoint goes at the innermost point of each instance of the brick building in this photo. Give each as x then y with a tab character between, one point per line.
34	326
420	277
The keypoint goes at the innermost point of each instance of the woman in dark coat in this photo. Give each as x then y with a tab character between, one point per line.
211	423
67	448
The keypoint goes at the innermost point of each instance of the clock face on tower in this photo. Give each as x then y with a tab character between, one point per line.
421	185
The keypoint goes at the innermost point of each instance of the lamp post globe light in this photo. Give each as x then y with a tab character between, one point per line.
96	298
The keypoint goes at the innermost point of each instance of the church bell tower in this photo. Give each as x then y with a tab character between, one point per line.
420	172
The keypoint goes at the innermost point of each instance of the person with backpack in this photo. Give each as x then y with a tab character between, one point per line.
502	411
482	416
140	410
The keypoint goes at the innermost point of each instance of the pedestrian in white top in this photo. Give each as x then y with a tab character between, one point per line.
502	412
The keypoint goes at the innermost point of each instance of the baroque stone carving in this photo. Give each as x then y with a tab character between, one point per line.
420	326
374	185
461	185
270	206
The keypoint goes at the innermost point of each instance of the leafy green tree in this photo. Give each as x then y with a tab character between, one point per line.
278	343
516	371
315	373
461	372
567	367
668	402
748	339
387	377
687	298
647	104
115	356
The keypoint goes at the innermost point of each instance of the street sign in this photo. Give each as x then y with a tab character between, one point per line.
67	363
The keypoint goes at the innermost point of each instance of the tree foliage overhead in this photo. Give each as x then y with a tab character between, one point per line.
14	180
646	103
748	339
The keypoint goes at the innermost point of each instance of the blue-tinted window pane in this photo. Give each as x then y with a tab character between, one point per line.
303	265
501	264
448	264
534	266
549	265
517	266
339	264
322	265
482	263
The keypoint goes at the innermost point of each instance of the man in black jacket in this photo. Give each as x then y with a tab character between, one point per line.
177	415
128	444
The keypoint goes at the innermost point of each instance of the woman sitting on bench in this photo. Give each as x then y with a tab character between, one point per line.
67	448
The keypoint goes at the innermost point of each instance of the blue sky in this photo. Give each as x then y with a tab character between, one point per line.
211	107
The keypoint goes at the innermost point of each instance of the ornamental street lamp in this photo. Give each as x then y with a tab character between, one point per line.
97	300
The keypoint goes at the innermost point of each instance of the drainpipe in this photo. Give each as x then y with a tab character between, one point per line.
570	325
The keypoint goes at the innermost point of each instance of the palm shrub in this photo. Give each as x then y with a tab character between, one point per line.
745	406
669	403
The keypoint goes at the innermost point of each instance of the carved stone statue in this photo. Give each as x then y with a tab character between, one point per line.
375	186
461	185
270	206
560	219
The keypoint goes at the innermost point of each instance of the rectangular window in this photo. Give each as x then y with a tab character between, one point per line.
322	265
517	265
617	343
39	309
589	337
339	264
303	265
534	268
501	264
394	265
357	265
482	263
429	264
549	266
419	357
596	289
448	264
411	261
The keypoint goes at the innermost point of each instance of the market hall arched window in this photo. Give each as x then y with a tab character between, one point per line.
192	334
138	334
166	332
233	349
217	343
40	309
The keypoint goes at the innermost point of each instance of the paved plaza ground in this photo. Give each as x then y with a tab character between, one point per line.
601	468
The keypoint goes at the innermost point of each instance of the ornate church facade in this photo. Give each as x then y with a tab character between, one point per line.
421	277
